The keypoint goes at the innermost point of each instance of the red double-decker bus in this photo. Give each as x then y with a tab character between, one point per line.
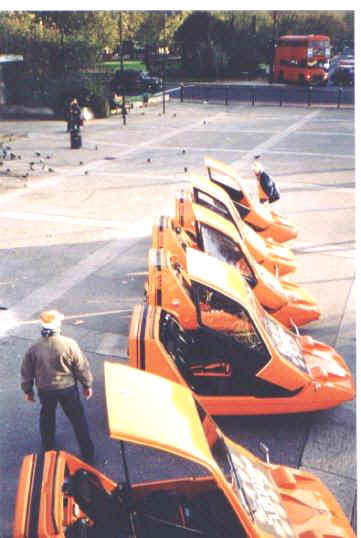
302	59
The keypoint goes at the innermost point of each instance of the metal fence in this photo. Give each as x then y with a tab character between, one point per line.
264	94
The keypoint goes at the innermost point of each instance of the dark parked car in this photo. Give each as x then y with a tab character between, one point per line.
344	75
133	81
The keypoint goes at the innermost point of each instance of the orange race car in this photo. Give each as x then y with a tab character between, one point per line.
212	334
275	257
228	492
286	301
259	216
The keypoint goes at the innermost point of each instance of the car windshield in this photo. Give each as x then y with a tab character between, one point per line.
206	200
259	496
222	456
231	320
285	342
222	247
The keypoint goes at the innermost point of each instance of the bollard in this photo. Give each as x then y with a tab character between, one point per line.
207	93
309	96
253	95
226	95
124	114
181	92
75	138
339	97
281	94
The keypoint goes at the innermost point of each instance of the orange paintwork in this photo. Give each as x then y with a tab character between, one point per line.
274	257
285	300
315	370
60	492
259	216
167	287
130	393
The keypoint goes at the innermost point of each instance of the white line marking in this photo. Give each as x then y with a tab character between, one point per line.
64	219
273	152
58	286
81	316
100	163
277	137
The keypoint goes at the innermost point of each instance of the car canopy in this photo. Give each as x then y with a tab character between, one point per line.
146	409
223	174
208	217
219	275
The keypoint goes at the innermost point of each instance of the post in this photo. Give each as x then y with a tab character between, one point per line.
124	113
226	96
272	55
281	92
181	92
164	60
309	96
339	97
120	23
253	95
163	91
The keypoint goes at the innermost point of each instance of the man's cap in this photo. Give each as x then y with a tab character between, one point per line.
51	319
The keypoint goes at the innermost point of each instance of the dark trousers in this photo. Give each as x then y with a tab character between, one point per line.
70	402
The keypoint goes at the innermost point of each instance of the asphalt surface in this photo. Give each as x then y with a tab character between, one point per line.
76	227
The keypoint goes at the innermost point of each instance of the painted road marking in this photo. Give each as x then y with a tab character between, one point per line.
138	229
57	287
258	150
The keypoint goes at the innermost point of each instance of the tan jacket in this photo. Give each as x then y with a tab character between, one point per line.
54	362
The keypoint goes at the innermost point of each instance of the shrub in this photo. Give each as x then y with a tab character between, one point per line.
100	106
91	89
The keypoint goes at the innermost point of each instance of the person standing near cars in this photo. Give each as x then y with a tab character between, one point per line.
72	114
56	364
75	115
268	190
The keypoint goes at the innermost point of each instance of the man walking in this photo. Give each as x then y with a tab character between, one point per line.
56	363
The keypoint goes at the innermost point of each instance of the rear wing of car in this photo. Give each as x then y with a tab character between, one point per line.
175	239
169	287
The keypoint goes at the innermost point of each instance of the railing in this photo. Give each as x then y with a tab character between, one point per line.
264	94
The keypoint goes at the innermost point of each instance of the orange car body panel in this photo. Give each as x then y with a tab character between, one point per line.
274	257
154	412
312	506
147	352
325	378
284	299
259	216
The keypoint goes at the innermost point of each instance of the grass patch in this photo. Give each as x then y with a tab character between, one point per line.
114	65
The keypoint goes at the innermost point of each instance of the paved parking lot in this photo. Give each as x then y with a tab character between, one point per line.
75	229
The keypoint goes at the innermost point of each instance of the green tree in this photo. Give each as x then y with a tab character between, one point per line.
194	38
